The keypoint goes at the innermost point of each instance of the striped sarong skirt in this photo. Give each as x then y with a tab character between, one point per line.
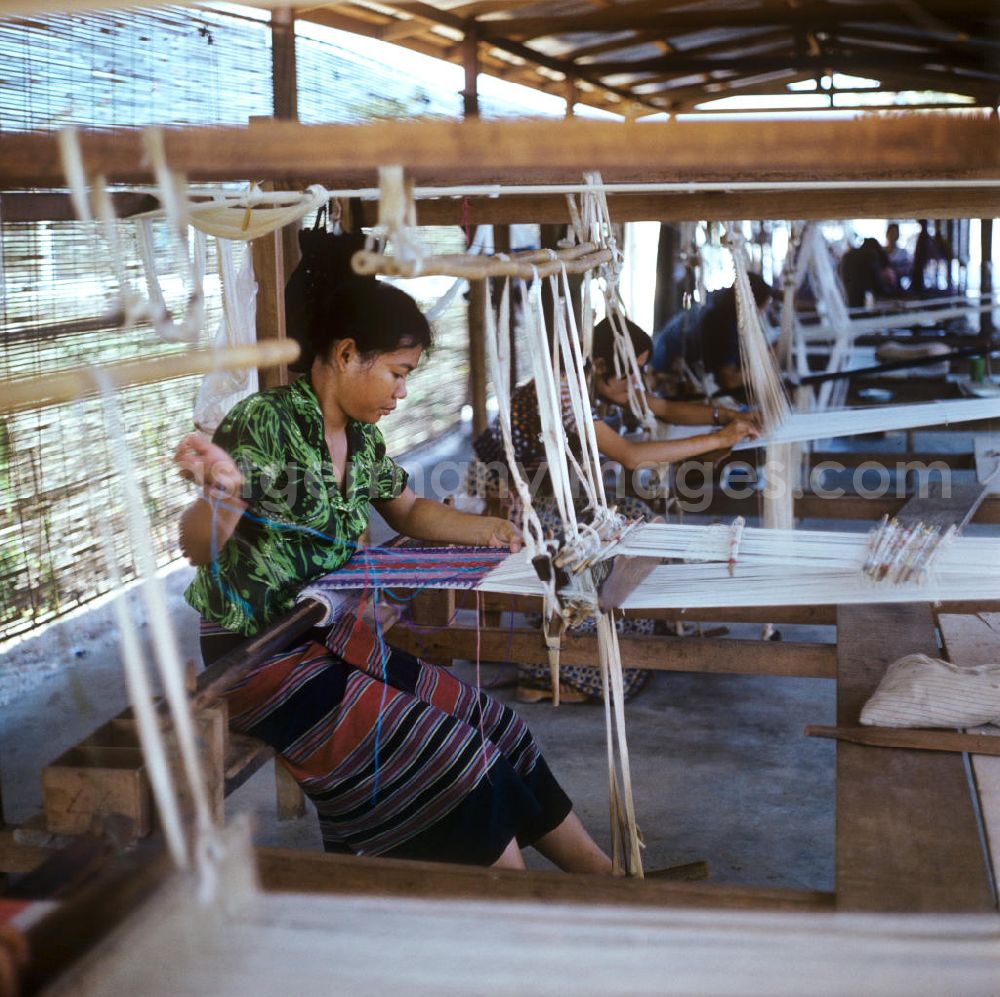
399	756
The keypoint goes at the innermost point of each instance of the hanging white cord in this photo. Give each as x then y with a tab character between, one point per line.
831	394
576	363
611	664
761	375
626	364
169	189
132	308
166	654
549	407
585	469
140	695
498	357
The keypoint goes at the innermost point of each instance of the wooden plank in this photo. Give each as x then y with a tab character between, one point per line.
918	739
698	205
939	147
291	801
678	654
907	831
50	206
814	506
975	640
495	602
945	504
88	781
891	459
433	607
287	870
627	574
245	757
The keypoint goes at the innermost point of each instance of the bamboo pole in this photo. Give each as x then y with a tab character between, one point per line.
64	386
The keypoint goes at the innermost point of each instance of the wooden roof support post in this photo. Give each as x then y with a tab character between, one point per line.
470	60
477	355
477	288
283	66
986	286
276	254
269	271
572	95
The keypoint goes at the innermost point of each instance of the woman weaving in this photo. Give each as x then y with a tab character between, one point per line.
489	476
399	757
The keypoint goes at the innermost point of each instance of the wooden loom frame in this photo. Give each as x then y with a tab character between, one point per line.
284	151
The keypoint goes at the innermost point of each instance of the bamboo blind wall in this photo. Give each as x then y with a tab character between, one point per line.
130	68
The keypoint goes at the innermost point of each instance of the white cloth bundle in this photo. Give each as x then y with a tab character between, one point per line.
920	691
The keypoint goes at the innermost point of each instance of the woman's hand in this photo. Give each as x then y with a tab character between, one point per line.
208	465
501	533
728	415
738	429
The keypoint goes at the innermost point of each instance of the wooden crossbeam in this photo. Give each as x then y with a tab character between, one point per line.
285	870
946	201
937	147
903	201
813	506
676	654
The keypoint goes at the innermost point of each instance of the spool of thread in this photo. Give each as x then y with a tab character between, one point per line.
977	370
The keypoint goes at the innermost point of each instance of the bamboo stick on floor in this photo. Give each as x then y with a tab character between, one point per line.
913	738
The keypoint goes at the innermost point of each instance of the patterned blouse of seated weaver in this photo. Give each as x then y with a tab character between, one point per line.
300	523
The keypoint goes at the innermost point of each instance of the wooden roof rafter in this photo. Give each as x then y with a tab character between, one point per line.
611	47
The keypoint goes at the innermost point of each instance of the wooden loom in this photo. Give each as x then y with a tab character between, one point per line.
936	864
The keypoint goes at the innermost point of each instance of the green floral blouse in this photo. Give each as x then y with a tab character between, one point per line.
298	523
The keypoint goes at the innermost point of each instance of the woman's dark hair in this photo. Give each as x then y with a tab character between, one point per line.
604	343
326	301
379	318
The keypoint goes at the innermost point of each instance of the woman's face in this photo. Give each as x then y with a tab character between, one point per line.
615	389
371	387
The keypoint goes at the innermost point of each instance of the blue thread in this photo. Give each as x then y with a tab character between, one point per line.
377	591
384	654
294	527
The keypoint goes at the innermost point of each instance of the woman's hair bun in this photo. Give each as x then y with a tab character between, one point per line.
325	266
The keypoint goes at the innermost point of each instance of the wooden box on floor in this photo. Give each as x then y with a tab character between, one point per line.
105	774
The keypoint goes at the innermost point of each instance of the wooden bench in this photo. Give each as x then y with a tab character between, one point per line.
909	829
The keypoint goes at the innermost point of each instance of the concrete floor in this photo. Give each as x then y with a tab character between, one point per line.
721	769
720	766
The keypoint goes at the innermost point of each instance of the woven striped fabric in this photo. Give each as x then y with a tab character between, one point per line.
391	749
414	567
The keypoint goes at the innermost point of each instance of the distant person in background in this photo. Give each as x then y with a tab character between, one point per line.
707	338
899	259
865	270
